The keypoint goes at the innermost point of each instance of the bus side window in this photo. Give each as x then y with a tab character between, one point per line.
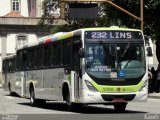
19	61
56	54
24	60
39	57
3	66
66	55
13	65
47	55
31	58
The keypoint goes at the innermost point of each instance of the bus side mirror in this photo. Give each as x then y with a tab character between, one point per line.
81	53
149	51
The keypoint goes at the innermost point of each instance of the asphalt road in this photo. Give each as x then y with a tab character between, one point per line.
16	108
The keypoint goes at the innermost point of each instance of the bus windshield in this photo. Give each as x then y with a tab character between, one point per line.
115	60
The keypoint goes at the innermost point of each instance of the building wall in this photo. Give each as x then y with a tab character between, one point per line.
32	8
0	45
5	7
11	43
155	61
35	8
24	8
0	59
32	38
8	39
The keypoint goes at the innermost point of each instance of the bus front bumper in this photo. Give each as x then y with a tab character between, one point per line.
89	97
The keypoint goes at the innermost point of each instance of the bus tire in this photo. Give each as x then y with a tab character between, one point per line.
68	100
74	107
32	97
120	107
9	89
40	102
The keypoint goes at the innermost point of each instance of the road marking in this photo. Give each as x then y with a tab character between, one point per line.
9	97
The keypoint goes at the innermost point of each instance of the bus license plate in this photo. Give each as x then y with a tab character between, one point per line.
118	100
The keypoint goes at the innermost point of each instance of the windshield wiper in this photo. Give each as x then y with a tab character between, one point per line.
126	48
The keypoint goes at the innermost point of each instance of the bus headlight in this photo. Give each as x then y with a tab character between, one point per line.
90	86
145	85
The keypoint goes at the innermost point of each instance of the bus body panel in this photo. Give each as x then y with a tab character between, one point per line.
47	83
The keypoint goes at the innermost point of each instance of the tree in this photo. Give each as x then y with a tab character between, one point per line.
108	16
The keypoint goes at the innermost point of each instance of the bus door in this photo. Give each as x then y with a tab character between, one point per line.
23	83
75	79
4	75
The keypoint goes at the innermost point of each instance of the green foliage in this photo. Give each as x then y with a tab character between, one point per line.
47	19
109	15
152	18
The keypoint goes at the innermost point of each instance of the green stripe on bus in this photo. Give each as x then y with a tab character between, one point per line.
117	89
66	35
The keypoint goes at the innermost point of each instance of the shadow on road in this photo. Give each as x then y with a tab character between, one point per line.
13	94
87	109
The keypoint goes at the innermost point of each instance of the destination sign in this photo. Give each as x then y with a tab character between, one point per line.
112	35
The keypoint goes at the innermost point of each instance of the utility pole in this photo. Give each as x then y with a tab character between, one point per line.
142	19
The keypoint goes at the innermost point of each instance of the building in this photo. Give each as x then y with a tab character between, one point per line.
18	25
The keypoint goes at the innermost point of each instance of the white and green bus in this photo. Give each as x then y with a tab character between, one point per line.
85	66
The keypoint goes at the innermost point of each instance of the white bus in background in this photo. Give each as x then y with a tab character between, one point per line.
85	66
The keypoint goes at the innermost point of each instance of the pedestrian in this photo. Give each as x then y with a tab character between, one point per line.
153	80
158	79
149	81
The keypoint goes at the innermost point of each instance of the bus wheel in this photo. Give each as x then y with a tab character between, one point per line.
120	107
72	106
68	100
40	102
9	89
32	97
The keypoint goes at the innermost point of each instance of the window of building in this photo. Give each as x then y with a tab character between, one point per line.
21	40
16	5
33	4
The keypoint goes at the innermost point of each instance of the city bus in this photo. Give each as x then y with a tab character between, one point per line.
84	66
8	74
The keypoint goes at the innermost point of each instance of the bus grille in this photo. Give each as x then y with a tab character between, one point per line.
112	97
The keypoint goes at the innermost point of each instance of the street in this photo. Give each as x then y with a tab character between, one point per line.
20	107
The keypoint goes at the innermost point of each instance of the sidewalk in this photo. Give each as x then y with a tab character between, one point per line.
154	95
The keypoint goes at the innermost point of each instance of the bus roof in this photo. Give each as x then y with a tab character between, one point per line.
111	28
64	35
